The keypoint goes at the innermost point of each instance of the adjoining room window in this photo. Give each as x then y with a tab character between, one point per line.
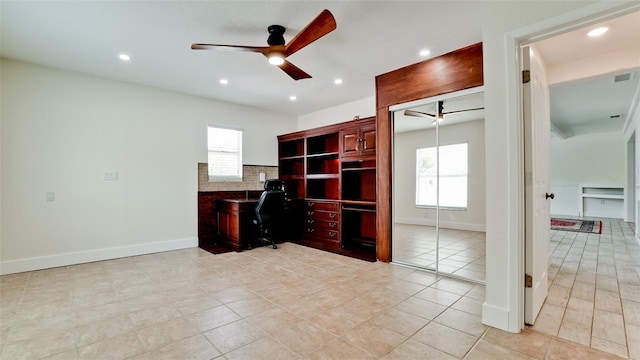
453	176
225	154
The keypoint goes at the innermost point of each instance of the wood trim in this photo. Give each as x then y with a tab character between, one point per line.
455	71
383	184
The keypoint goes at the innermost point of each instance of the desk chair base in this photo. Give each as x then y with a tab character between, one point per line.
263	239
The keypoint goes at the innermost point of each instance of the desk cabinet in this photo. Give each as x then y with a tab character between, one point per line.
235	223
322	221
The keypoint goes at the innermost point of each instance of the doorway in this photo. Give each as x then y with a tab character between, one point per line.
587	283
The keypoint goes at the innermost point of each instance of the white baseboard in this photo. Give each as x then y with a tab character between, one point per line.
50	261
496	317
443	224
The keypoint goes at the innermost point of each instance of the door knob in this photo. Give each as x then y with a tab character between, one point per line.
547	195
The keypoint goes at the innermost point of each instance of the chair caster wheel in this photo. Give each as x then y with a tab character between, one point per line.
275	246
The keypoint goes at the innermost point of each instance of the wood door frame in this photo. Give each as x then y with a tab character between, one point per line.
463	69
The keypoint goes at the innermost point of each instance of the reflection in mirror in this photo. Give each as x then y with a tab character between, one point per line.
439	185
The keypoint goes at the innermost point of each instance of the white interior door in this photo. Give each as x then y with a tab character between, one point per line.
536	144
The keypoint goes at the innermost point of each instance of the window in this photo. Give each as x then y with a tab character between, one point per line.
453	176
225	154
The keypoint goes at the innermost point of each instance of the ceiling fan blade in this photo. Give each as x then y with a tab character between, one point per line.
295	72
258	49
317	28
418	113
459	111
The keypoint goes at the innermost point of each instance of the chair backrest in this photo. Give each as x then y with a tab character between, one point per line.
270	206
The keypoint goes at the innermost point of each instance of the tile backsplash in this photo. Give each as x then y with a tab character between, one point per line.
250	178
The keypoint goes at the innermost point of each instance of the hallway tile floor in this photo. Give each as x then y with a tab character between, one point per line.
290	303
594	289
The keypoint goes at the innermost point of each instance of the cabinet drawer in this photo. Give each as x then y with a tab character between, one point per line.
323	224
322	215
328	234
322	205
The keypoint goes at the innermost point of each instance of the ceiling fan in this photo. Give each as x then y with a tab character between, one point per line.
439	116
277	51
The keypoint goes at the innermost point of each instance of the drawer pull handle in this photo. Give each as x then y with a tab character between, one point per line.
310	230
332	234
309	212
310	221
332	215
310	203
332	224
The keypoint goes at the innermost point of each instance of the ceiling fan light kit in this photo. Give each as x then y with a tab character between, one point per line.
278	51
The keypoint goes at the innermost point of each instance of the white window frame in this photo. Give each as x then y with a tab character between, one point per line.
440	175
228	151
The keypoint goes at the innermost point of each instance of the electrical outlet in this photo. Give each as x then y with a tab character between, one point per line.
111	175
263	176
51	196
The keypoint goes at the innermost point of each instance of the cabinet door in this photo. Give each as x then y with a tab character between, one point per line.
368	137
350	142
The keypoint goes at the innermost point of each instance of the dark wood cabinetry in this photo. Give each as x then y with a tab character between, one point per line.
322	221
235	223
358	142
333	169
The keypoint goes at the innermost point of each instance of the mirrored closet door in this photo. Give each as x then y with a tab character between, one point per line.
439	184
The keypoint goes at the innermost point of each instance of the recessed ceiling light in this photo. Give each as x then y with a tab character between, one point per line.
124	57
337	81
598	31
425	52
224	81
292	98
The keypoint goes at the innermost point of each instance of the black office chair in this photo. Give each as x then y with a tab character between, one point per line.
270	210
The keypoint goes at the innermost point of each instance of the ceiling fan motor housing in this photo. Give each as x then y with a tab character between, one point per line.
276	33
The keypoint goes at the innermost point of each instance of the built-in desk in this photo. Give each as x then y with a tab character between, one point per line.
235	222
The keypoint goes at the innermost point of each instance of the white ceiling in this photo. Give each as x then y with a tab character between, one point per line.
585	106
371	38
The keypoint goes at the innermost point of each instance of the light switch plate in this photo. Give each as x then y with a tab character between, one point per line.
51	196
263	176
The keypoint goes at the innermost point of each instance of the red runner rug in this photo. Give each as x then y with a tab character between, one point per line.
584	226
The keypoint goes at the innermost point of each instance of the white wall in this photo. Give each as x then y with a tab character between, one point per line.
363	108
405	145
62	130
585	160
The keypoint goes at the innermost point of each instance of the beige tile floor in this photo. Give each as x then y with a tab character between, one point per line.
462	253
594	289
291	303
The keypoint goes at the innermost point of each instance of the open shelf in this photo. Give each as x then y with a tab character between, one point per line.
323	144
292	166
323	165
359	185
294	187
291	148
602	201
323	188
359	226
